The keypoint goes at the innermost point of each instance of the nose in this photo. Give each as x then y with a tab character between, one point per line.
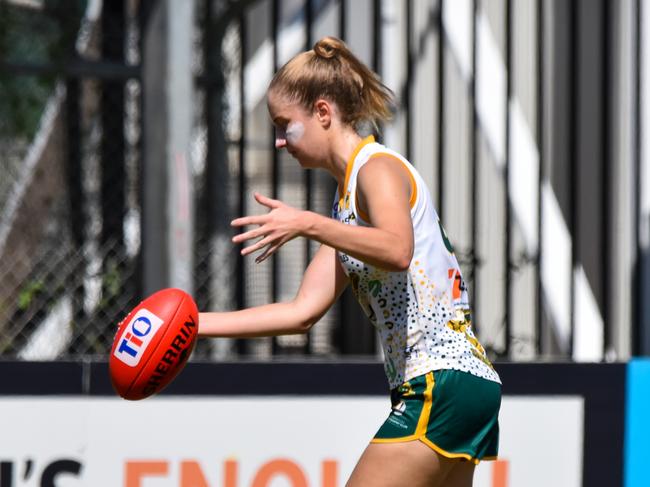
280	137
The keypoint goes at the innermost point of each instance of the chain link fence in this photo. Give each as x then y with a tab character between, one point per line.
68	144
71	191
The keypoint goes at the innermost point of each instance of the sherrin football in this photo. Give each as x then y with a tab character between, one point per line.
153	344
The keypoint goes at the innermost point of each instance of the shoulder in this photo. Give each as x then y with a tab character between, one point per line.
383	167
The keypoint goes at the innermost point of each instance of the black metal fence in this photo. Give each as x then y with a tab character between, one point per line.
73	125
70	154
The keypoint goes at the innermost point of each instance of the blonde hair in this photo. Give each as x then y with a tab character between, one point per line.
332	72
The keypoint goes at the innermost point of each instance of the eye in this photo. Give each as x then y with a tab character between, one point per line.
281	123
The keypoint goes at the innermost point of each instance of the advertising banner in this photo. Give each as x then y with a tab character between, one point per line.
252	441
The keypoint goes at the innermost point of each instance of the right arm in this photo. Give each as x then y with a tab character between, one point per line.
322	283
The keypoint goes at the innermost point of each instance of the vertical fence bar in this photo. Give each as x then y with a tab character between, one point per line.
508	244
76	204
275	161
144	14
202	231
207	221
219	208
309	20
74	165
637	296
309	180
113	144
573	154
343	26
342	313
242	347
377	47
408	105
643	262
441	108
540	147
376	36
474	261
605	200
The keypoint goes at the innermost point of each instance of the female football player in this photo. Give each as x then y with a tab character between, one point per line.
383	238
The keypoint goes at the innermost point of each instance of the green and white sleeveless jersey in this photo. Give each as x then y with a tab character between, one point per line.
422	314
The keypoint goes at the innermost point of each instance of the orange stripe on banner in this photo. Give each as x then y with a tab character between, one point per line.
230	473
500	473
280	467
330	473
135	472
192	475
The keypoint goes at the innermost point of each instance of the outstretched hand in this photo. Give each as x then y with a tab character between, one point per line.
281	224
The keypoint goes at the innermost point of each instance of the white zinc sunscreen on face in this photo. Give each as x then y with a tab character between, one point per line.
294	132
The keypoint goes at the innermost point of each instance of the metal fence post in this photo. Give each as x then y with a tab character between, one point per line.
167	189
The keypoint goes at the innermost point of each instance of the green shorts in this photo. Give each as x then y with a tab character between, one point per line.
455	413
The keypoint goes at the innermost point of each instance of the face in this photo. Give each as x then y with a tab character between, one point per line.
299	132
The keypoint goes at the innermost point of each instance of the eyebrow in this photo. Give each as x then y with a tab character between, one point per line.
279	119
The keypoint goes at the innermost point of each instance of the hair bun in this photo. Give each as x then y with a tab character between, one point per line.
327	47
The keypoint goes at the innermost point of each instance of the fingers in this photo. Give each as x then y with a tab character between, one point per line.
271	243
257	219
267	253
251	234
267	242
268	202
262	230
256	246
248	220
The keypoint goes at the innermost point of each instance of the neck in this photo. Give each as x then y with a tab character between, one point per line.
341	149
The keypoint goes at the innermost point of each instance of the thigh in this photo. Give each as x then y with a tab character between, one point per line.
400	464
461	474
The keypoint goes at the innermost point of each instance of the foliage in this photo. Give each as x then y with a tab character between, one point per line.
28	293
40	37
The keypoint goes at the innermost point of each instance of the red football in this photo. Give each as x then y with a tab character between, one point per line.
153	343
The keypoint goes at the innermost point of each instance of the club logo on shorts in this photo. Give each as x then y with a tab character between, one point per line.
137	335
399	408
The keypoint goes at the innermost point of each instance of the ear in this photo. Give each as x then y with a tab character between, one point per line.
323	112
